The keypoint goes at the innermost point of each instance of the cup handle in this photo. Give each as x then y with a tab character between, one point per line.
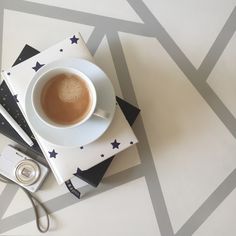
101	113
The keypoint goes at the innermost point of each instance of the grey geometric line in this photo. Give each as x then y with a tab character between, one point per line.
95	40
6	197
9	223
122	70
226	118
144	150
77	16
67	199
204	89
218	47
143	129
10	190
223	113
207	93
209	205
164	38
153	182
129	27
186	66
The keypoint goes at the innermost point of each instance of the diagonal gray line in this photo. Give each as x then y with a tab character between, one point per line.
144	151
204	89
207	93
9	190
164	38
184	64
217	106
218	47
58	204
95	40
121	67
152	180
68	199
135	28
211	203
77	16
6	197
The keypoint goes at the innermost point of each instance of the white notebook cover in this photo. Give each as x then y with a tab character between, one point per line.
65	161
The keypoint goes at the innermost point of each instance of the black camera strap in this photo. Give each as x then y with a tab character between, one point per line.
33	201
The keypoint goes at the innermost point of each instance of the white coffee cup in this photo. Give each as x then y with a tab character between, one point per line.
48	75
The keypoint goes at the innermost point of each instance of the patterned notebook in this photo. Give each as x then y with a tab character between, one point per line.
93	175
118	137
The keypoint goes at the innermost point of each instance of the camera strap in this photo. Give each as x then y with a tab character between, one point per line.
33	201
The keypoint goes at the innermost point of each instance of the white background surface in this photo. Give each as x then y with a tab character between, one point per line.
192	150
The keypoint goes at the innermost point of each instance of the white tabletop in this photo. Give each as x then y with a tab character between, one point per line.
176	60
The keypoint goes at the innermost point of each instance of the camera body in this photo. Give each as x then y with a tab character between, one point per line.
22	169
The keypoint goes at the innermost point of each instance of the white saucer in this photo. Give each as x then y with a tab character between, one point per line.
94	127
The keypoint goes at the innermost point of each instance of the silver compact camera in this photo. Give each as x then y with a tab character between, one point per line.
22	169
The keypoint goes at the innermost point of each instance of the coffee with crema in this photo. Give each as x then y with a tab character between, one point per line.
66	99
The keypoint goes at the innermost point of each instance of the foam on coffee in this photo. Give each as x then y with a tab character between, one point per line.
70	83
66	99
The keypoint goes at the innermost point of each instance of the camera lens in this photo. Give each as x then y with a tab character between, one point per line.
27	172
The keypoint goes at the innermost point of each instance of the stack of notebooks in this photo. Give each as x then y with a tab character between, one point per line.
92	175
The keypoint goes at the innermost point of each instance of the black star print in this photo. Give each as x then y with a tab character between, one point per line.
102	155
81	147
131	142
15	98
74	40
115	144
61	50
8	73
53	153
37	66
